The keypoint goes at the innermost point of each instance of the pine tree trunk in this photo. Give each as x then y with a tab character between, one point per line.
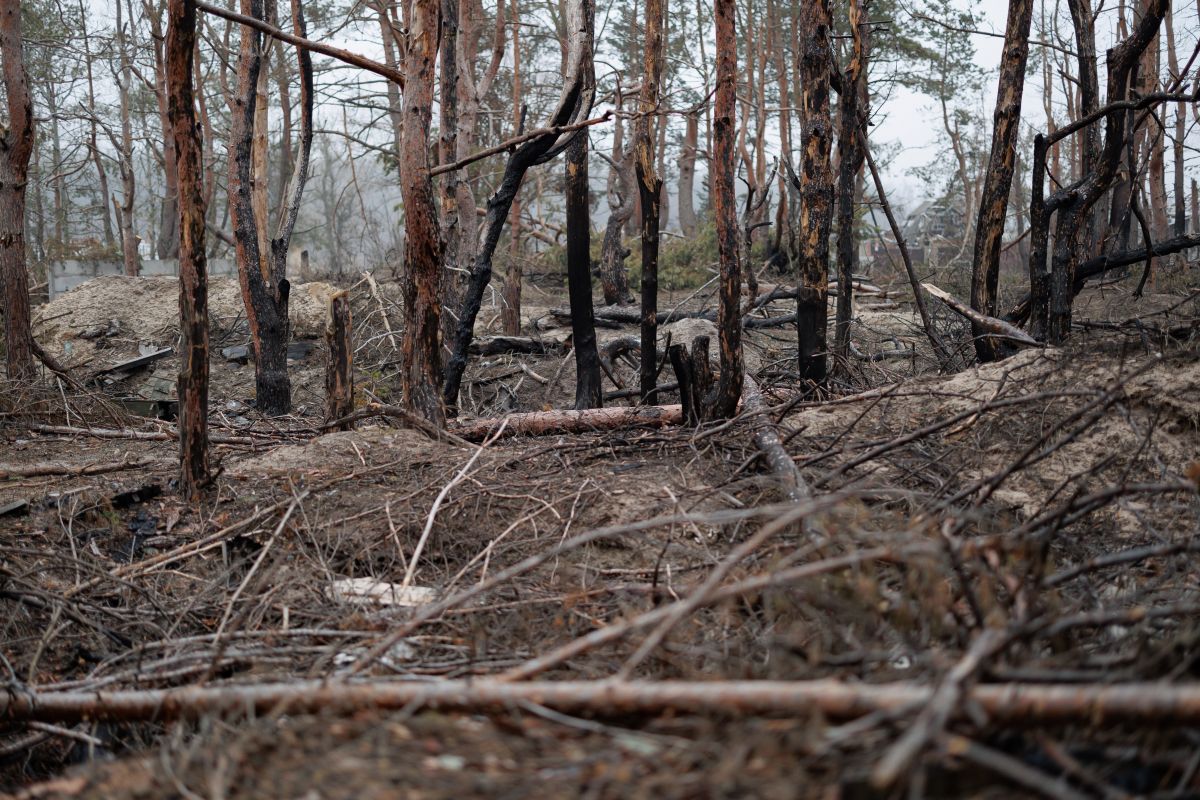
993	206
687	176
193	281
421	372
16	146
816	192
721	402
649	191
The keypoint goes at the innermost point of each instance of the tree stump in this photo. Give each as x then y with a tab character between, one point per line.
339	370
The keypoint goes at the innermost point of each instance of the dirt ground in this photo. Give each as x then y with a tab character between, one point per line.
1051	495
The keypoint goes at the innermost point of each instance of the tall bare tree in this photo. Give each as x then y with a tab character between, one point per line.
993	205
421	372
649	191
16	145
193	281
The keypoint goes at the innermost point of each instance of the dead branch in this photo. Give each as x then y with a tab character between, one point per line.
37	470
1010	703
994	326
766	439
509	144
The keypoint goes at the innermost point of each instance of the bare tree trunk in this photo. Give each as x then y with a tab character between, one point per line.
993	205
588	390
510	312
93	133
168	231
687	175
723	399
421	371
1179	223
816	191
16	146
649	190
124	207
852	110
622	202
193	281
452	282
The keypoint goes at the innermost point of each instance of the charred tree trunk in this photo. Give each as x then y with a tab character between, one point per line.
993	204
574	104
421	371
339	370
722	401
649	191
816	192
265	295
510	309
193	281
16	146
452	283
622	202
588	391
852	107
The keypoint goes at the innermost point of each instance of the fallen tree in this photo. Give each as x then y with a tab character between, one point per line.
1006	703
538	423
982	322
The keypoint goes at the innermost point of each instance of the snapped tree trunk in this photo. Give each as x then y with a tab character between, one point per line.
993	204
722	401
420	371
193	280
649	190
852	108
16	146
816	192
574	104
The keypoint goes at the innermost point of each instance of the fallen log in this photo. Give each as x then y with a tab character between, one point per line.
539	423
1005	703
766	439
8	472
505	345
995	327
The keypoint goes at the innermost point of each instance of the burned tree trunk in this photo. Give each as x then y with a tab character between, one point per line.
816	192
622	202
265	295
649	191
421	372
573	105
16	146
448	152
339	370
852	108
722	401
588	391
993	205
193	280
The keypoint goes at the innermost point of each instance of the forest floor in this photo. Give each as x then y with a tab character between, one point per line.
1050	496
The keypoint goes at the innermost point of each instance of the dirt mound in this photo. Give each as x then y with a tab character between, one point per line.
339	453
116	312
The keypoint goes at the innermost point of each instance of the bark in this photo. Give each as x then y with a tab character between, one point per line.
588	390
997	184
193	281
420	372
1179	220
722	401
852	113
574	103
687	175
264	293
339	369
816	191
649	191
16	146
